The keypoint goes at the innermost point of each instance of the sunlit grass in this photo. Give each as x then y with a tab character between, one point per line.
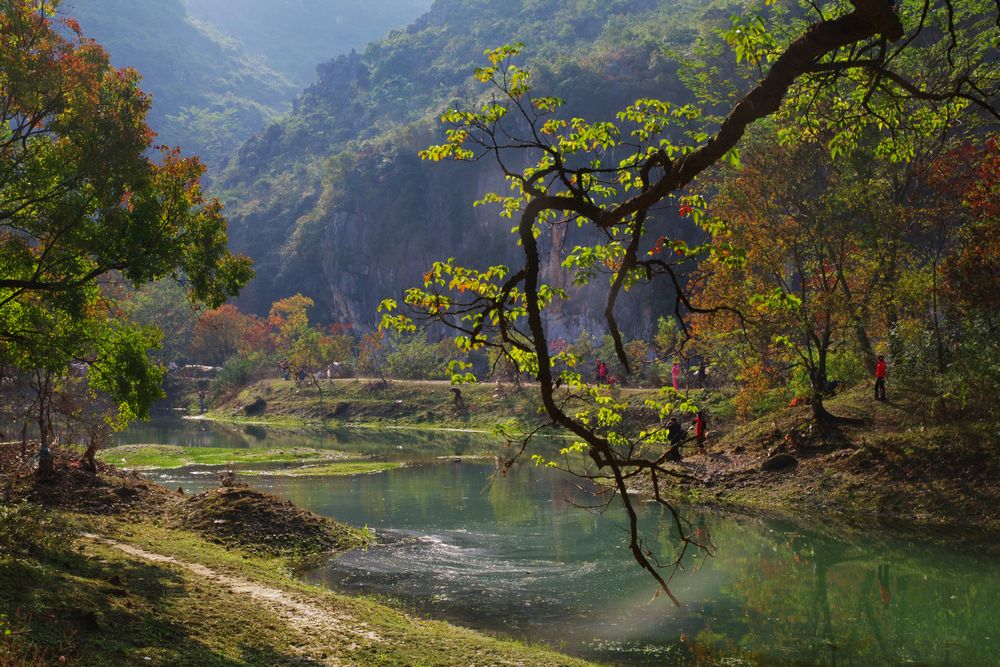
174	456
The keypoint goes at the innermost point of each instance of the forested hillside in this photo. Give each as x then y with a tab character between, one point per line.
293	36
208	93
334	202
220	71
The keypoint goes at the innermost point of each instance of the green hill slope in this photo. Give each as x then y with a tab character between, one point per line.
208	94
333	201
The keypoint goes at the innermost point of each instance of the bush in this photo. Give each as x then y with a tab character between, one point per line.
415	358
238	372
971	376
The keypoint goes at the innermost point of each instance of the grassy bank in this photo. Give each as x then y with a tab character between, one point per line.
99	605
897	461
892	462
361	402
148	457
291	462
156	578
330	469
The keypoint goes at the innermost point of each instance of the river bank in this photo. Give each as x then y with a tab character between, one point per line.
893	462
521	558
113	569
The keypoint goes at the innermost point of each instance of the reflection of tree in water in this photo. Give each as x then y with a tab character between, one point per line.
258	433
829	602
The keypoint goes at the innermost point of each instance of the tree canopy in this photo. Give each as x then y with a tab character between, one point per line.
86	200
847	74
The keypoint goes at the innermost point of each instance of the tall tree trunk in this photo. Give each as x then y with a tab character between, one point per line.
818	378
938	340
866	348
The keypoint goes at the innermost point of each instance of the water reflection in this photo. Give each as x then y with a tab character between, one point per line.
518	558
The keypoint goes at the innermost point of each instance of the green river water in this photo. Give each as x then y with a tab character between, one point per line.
520	558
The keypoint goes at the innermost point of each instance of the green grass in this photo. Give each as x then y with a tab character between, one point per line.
422	404
331	469
428	405
96	605
315	462
172	456
895	460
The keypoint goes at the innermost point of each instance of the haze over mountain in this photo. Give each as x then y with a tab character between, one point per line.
220	71
293	36
333	201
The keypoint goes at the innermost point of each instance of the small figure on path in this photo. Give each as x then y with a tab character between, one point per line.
45	469
675	374
883	584
675	433
702	372
458	398
602	372
880	379
699	430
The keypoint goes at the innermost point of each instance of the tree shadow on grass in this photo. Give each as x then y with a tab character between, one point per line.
116	611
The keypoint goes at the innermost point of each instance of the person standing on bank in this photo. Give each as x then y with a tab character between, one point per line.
880	379
699	430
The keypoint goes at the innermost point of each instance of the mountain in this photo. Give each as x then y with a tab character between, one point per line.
293	36
219	72
208	94
333	201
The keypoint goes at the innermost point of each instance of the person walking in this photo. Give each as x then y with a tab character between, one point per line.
880	379
675	435
675	374
699	430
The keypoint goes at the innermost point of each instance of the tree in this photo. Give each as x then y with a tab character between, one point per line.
220	333
802	277
832	66
972	271
413	357
289	319
311	354
83	202
163	304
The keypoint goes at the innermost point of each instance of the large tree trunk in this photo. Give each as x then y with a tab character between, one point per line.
818	379
865	347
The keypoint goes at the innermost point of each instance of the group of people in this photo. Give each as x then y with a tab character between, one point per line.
677	435
604	376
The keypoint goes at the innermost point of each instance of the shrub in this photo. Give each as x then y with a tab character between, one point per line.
238	372
416	358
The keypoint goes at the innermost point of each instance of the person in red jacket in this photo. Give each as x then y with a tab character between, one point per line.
880	379
699	430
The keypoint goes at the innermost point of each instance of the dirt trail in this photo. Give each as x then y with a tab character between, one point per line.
316	624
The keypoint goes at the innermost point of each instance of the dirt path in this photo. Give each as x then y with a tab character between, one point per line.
316	624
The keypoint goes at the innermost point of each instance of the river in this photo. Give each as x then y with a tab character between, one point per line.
520	557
